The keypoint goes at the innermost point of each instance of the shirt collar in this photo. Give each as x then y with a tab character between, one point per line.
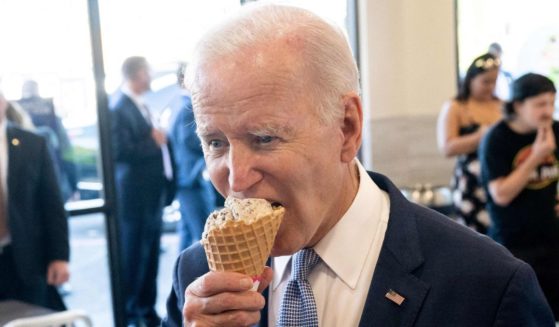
351	235
137	98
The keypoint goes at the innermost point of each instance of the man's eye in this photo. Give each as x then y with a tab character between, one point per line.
215	144
265	139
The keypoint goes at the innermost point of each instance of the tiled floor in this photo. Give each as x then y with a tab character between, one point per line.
89	283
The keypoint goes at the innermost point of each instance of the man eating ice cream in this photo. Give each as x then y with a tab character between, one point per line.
275	97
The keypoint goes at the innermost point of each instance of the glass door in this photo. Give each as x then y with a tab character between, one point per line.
46	71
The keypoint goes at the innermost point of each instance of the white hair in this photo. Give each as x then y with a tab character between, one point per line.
325	53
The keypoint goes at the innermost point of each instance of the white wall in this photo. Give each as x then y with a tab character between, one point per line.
408	70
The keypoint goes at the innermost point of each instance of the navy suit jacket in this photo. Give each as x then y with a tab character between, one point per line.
187	152
36	216
135	152
448	274
138	158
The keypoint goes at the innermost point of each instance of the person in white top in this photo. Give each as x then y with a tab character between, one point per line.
275	93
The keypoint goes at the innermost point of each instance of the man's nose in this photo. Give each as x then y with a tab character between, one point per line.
242	172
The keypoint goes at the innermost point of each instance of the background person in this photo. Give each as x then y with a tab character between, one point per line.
140	184
48	124
461	124
504	79
34	245
520	165
282	121
194	191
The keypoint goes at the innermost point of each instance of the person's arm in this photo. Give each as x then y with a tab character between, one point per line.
505	189
449	140
523	302
54	220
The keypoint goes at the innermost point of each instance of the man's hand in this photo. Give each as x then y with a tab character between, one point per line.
544	144
158	136
224	299
58	272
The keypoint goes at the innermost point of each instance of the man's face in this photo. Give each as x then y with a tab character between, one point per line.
142	80
262	138
536	111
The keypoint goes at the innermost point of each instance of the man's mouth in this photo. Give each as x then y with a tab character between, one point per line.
276	204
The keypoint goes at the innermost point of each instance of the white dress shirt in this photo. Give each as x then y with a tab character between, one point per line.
349	254
4	168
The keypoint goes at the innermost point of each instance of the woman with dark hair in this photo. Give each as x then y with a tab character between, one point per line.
461	124
519	170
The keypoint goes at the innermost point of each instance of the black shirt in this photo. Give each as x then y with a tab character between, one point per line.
530	219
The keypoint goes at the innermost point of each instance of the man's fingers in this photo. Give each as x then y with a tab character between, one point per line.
540	136
62	278
265	278
230	301
549	134
51	276
230	318
238	318
218	282
56	277
57	273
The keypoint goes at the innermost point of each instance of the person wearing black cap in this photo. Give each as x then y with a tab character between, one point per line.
519	170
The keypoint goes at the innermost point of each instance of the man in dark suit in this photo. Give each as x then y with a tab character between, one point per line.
34	247
141	177
194	190
275	97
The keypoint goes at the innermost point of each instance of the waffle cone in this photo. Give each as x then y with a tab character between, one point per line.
242	247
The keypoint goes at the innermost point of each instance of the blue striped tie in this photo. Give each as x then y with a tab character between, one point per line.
298	308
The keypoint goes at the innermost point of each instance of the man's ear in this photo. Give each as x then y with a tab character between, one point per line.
351	126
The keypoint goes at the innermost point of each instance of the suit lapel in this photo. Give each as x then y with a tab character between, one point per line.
138	118
400	257
14	160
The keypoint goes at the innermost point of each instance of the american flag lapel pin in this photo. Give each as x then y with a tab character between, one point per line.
394	297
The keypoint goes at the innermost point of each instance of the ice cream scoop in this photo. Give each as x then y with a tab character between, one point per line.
240	236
